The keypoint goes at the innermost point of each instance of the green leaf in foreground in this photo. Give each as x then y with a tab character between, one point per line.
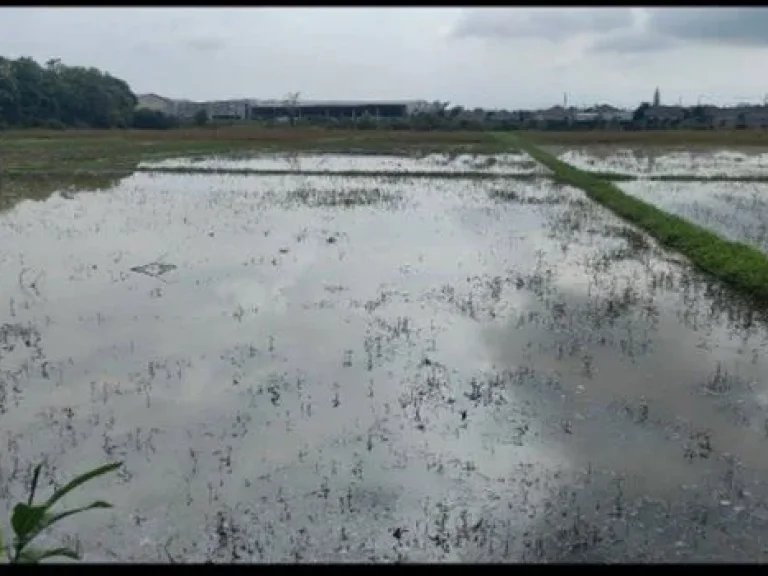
29	520
51	520
82	479
26	519
33	555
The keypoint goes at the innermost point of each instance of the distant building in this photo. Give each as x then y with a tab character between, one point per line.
665	115
656	98
266	109
586	117
553	114
156	103
186	109
228	110
739	117
244	109
603	113
611	114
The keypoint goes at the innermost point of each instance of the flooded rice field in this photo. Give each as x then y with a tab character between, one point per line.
518	163
320	368
735	210
660	162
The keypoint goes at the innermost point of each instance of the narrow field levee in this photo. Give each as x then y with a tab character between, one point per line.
738	265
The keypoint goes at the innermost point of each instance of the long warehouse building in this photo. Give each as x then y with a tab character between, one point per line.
337	109
243	109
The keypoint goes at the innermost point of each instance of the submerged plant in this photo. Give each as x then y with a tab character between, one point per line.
29	520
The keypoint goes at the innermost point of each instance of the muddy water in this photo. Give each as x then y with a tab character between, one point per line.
735	210
318	368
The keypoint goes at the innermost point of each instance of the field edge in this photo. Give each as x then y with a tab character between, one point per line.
742	267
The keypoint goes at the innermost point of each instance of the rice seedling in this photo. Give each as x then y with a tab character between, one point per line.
29	519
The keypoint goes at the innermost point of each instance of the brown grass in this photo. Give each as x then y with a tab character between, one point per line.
256	134
311	135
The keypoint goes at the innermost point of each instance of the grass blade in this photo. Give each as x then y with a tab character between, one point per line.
60	516
35	477
82	479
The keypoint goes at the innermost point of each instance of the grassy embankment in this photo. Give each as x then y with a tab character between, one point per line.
740	266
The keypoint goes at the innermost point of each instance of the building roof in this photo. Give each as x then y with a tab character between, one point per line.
330	103
283	101
151	95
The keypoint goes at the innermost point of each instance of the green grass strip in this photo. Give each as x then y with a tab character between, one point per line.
740	266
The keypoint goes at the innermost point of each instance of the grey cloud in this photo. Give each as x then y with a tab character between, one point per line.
555	24
633	43
738	26
670	27
616	30
206	44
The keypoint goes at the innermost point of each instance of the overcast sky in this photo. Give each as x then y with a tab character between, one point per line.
489	57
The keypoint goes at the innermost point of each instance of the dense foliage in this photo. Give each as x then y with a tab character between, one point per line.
145	119
58	96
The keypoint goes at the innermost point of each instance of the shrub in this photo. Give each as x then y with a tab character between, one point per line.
144	119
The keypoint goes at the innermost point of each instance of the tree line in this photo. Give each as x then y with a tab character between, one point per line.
59	96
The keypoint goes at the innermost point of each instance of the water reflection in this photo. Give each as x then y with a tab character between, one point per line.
377	369
15	188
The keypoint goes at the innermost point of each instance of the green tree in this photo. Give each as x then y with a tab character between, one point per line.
640	116
145	119
33	95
